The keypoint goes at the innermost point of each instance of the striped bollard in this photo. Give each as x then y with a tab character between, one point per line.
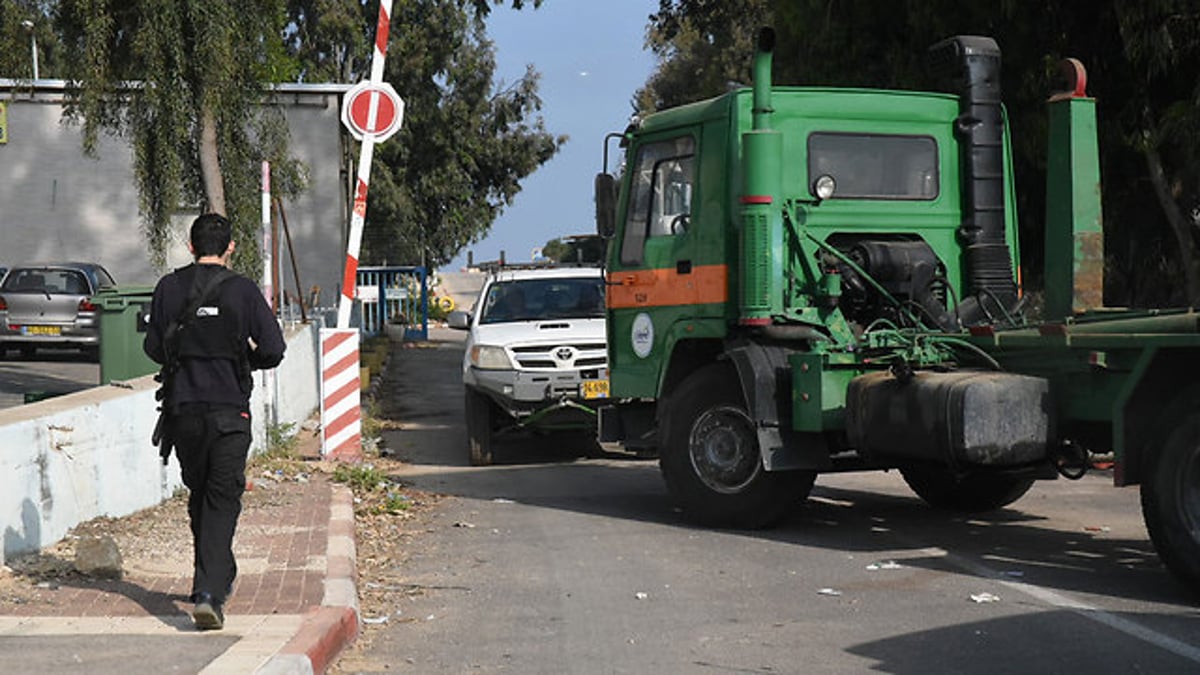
341	413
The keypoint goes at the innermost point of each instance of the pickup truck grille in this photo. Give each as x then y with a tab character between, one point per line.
571	356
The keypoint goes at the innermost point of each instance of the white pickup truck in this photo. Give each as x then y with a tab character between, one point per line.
535	357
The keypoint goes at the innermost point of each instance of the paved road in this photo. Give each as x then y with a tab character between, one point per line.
549	563
48	372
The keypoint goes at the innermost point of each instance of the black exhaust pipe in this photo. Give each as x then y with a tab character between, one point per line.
973	64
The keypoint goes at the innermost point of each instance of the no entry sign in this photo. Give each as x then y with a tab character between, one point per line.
372	109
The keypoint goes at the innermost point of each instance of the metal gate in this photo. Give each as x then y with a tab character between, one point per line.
394	296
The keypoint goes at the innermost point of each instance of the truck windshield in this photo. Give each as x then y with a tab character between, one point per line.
539	299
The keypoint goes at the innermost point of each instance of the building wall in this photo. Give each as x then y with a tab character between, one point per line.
57	204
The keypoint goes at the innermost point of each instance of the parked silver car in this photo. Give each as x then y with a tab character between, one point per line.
49	305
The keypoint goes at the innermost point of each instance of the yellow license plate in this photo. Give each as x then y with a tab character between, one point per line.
43	330
595	388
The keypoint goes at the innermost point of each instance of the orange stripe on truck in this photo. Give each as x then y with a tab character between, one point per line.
704	284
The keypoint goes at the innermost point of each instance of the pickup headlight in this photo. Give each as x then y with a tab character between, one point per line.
488	357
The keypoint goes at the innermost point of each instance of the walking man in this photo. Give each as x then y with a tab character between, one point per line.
209	327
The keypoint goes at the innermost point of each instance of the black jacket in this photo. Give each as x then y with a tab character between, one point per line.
244	316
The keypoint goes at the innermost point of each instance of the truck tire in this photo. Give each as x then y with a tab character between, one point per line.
942	488
1171	493
710	459
480	418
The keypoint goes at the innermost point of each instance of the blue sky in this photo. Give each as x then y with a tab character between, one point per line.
591	58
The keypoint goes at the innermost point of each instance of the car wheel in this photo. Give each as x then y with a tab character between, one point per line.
480	417
711	460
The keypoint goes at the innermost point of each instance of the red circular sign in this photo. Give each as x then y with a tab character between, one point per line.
356	110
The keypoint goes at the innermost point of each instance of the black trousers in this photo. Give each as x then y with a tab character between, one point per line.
211	443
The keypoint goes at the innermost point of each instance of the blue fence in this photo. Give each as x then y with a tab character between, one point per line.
398	296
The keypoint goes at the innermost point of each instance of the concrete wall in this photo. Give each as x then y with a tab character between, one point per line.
58	204
76	457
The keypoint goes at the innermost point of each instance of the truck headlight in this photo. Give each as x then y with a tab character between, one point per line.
488	357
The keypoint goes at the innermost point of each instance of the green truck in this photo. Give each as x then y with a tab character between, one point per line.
810	280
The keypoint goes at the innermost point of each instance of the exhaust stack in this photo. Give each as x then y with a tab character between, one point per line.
974	66
761	241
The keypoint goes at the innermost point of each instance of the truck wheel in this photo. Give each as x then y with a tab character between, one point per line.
479	428
710	459
1171	496
976	492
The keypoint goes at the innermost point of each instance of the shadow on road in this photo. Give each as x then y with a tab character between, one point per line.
993	647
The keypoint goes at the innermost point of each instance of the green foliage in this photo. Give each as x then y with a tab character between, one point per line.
16	57
395	503
158	71
371	423
464	146
282	440
378	493
151	70
556	249
1141	59
576	249
360	477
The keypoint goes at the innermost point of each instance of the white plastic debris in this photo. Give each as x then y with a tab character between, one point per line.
884	565
829	591
376	619
641	595
984	597
502	500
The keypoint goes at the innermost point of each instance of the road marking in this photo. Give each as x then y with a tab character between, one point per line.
1087	611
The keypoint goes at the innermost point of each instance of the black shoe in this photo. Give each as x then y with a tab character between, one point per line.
207	613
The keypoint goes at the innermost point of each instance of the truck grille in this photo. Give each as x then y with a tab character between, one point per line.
572	356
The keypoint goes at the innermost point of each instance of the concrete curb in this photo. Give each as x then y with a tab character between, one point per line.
330	628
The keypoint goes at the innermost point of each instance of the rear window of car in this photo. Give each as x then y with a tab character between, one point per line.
52	281
539	299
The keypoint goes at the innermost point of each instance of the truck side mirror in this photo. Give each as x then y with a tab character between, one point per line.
606	205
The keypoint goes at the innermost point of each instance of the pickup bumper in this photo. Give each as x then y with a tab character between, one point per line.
536	398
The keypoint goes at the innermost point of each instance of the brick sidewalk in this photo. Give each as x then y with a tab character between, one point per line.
281	559
294	545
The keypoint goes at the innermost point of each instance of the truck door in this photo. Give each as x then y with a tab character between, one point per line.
649	273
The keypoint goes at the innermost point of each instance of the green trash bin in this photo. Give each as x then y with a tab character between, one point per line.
123	316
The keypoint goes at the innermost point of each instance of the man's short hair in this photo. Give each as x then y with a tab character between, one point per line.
211	234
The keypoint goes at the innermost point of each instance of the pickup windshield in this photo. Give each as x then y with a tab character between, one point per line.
538	299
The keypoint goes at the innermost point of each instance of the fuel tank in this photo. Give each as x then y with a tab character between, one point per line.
964	418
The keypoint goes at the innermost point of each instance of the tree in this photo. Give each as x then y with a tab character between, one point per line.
186	83
575	249
1139	56
16	57
465	144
